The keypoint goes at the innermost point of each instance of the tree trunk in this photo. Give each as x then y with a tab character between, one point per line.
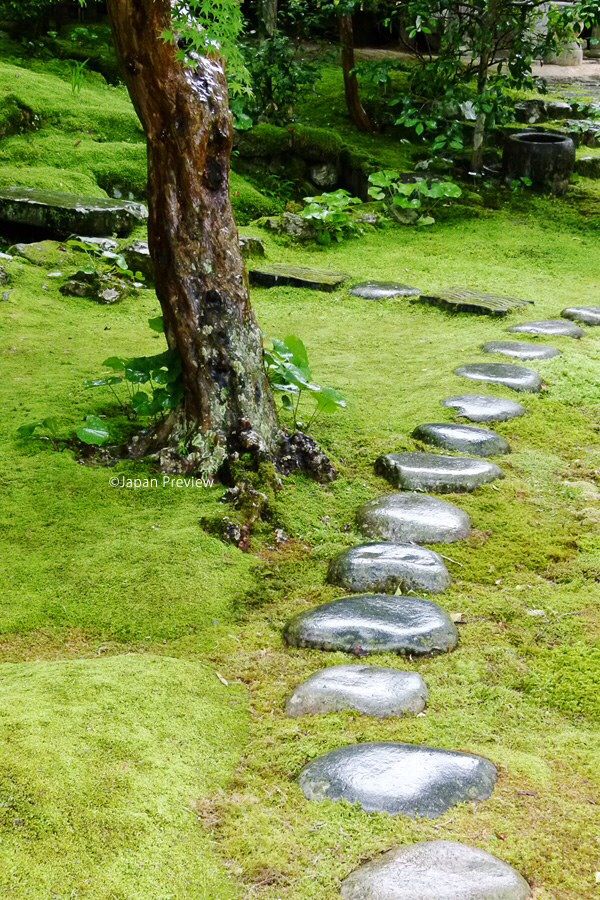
201	283
355	108
267	18
479	130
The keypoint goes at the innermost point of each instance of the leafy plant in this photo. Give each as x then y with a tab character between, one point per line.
290	375
278	79
331	216
419	195
145	387
78	70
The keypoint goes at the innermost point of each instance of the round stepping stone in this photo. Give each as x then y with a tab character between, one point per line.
462	437
433	472
586	315
375	623
479	408
383	290
365	689
399	778
521	349
435	870
516	377
556	327
413	517
387	567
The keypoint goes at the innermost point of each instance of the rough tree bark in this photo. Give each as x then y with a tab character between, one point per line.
267	18
201	284
353	101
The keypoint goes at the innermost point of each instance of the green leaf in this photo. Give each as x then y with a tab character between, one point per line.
103	382
94	431
115	363
157	324
329	399
425	220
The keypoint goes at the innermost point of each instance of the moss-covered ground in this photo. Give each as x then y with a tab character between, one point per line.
145	752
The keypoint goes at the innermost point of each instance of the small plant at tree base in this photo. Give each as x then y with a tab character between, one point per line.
93	431
290	375
331	216
419	195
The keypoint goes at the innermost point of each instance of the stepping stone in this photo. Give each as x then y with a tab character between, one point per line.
586	315
60	214
434	472
555	327
413	517
463	300
399	778
375	623
365	689
389	567
296	276
516	377
521	350
383	290
435	870
479	408
462	437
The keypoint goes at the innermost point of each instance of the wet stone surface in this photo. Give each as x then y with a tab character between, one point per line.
468	438
399	778
434	472
435	870
413	517
464	300
296	276
585	315
383	290
375	623
556	327
388	567
521	350
370	690
60	214
518	378
479	408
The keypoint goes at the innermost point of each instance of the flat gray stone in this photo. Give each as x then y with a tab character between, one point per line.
435	870
383	290
369	690
521	350
586	315
296	276
518	378
479	408
375	623
60	214
555	327
399	778
434	472
467	438
464	300
387	567
413	517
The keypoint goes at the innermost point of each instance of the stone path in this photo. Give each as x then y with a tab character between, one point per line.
464	300
383	290
296	276
466	438
407	779
434	472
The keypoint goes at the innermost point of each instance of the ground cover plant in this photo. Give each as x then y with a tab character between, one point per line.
145	751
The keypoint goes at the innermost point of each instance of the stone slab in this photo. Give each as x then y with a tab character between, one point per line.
401	779
413	517
549	327
60	214
521	350
468	438
386	567
464	300
585	315
383	290
370	690
296	276
435	870
375	623
479	408
434	472
518	378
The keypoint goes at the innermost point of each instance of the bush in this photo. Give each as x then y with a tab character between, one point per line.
278	79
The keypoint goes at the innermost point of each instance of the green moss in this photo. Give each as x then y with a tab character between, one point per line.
566	679
103	766
248	202
264	141
316	144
